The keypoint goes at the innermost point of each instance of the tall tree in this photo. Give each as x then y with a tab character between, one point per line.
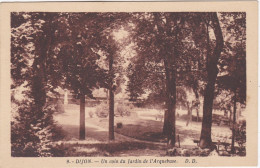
32	35
79	54
111	47
111	93
212	71
158	41
111	52
233	63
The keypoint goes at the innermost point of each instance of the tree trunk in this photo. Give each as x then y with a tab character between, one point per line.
166	122
230	116
39	78
170	73
82	117
212	71
233	125
172	111
171	65
39	82
198	116
189	113
197	103
111	100
111	115
171	97
205	138
38	88
238	112
163	53
107	96
169	120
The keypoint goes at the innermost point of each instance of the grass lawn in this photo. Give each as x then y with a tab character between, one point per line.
140	132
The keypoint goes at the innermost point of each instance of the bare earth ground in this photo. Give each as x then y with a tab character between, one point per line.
139	136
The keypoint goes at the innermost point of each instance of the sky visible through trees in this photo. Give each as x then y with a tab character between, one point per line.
189	65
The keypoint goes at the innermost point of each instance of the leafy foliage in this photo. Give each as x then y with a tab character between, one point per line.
33	131
175	53
32	127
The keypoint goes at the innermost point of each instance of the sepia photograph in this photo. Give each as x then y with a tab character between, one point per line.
155	84
128	84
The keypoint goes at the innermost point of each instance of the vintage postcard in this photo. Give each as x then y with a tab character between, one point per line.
128	84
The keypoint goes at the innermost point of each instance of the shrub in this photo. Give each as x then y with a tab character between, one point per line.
188	152
33	130
119	125
102	110
122	110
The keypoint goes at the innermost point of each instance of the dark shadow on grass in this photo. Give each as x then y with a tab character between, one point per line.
143	132
107	149
101	147
72	133
147	130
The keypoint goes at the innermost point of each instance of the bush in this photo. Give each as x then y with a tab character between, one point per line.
119	125
102	110
188	152
122	110
33	130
